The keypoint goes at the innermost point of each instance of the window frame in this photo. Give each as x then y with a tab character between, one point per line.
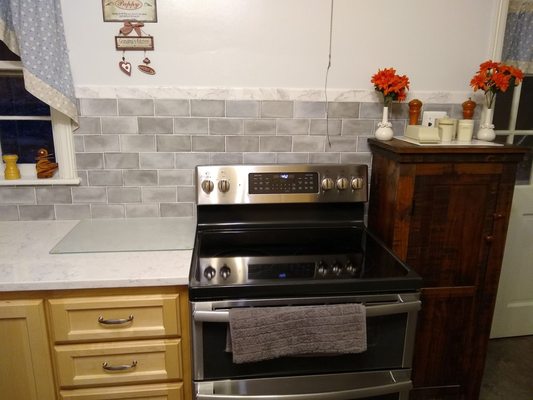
63	143
497	49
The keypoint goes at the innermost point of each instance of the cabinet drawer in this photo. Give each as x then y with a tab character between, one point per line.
173	391
119	362
114	317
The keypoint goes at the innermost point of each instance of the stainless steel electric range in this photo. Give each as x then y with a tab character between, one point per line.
293	235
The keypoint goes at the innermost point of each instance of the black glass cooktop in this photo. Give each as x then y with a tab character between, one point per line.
228	263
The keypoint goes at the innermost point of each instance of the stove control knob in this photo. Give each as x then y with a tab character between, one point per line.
357	183
349	268
223	185
342	183
327	184
210	273
225	272
322	268
207	186
336	269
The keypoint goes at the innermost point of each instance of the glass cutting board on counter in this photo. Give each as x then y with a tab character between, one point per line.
135	234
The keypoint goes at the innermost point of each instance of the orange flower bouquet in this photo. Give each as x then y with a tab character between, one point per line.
392	86
493	78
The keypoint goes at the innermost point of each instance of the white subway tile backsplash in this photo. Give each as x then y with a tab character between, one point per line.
136	156
73	211
108	211
9	213
156	160
207	108
171	107
140	178
105	178
156	125
191	126
120	125
123	195
89	195
53	195
142	210
36	213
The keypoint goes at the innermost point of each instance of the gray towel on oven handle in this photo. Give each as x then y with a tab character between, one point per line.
263	333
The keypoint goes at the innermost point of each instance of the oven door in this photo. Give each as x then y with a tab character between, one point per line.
391	323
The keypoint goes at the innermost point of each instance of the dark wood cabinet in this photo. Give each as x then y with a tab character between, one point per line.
445	210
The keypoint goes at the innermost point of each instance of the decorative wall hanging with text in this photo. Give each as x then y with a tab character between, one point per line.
131	37
129	10
142	42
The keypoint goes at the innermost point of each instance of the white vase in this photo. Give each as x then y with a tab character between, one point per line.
486	128
384	131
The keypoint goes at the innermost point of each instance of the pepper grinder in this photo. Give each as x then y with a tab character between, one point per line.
415	106
468	108
12	171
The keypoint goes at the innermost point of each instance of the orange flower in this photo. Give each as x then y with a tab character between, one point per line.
392	86
494	77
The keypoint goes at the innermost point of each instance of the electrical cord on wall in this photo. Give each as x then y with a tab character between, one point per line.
327	72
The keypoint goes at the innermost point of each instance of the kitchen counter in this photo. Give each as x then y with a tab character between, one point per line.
26	263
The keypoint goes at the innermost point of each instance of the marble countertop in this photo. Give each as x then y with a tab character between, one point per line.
26	262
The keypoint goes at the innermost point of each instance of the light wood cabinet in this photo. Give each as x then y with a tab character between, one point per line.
96	344
173	391
115	317
25	364
445	210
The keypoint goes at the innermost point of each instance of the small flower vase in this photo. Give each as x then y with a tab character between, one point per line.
486	127
384	131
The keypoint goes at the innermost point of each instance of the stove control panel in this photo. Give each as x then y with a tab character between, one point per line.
276	183
243	270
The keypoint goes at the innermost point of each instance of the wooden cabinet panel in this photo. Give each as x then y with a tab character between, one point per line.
445	210
443	333
25	364
133	361
115	317
449	226
173	391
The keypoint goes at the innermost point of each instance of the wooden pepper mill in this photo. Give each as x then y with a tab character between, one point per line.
415	106
468	108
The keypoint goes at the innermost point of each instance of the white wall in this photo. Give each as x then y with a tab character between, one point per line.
284	43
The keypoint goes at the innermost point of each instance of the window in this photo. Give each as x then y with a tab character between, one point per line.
514	123
27	124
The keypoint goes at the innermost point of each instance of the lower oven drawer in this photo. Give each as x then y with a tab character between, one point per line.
378	385
390	323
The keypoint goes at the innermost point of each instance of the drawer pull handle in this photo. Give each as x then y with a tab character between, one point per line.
124	367
119	321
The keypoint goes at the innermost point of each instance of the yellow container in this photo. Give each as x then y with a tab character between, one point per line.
12	171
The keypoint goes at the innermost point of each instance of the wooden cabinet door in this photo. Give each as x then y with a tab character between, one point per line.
452	215
25	365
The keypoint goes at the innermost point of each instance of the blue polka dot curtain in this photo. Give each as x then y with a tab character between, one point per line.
518	42
33	29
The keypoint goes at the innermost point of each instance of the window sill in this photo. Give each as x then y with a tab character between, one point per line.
33	181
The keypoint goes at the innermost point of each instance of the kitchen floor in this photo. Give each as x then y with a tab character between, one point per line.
508	370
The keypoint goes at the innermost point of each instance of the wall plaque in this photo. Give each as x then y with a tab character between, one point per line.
129	10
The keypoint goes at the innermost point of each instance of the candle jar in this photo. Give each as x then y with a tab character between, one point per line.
465	130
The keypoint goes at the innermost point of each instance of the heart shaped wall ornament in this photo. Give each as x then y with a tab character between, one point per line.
125	67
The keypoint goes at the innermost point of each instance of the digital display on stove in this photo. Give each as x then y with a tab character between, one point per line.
281	271
282	182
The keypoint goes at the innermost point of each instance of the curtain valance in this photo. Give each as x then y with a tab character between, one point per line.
33	29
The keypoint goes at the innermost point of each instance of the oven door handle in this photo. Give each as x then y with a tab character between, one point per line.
399	307
397	387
